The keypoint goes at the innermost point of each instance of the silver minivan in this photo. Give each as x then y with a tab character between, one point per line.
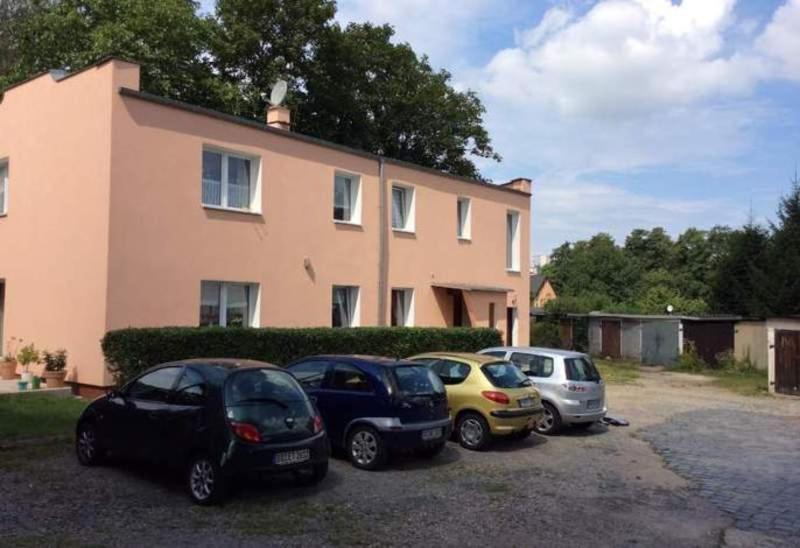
572	391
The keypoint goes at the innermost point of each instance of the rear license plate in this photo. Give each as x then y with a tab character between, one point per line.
593	404
432	434
526	402
291	457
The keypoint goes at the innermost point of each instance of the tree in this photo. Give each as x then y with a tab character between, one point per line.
783	263
739	285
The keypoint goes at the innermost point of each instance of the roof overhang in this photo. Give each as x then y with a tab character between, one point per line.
469	287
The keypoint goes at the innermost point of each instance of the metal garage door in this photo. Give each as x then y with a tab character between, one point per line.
660	342
709	338
787	362
611	338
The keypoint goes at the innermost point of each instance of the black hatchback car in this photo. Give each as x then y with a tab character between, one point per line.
215	419
373	405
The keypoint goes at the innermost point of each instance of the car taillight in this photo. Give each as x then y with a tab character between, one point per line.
246	431
574	387
498	397
317	424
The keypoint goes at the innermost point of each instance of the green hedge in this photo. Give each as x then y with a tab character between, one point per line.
129	351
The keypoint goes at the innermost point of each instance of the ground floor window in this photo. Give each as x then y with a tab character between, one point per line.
228	304
402	307
345	310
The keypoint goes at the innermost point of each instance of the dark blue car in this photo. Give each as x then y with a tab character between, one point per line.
372	406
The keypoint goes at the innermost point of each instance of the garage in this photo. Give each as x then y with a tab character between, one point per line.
772	344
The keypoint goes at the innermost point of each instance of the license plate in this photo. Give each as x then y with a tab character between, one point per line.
593	404
291	457
526	402
432	434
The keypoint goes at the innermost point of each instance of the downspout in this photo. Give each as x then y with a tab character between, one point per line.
383	250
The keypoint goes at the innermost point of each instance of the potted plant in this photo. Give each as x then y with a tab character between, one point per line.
26	356
36	383
8	363
55	368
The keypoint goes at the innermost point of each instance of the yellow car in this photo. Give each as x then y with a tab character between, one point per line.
487	397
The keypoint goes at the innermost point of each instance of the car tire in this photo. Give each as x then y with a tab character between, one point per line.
431	451
311	475
365	448
473	432
205	481
88	448
550	423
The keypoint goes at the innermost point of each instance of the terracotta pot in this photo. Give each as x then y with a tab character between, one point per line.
54	379
8	370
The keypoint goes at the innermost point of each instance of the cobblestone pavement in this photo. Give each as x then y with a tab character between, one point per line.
745	462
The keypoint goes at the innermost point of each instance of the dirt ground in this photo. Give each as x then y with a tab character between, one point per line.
608	486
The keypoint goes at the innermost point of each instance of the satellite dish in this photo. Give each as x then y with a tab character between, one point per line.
278	93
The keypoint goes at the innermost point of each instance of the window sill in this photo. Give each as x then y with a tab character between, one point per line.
3	215
513	271
403	230
347	223
232	210
464	239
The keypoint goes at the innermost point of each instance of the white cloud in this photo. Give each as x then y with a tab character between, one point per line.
781	40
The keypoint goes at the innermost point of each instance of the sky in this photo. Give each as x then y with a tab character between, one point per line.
625	113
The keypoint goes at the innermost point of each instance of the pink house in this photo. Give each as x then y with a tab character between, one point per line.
119	208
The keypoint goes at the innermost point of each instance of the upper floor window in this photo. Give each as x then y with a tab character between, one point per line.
228	304
402	307
345	310
229	180
512	241
347	199
3	188
463	218
403	208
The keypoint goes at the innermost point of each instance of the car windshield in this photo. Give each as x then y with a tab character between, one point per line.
505	375
581	369
272	401
417	380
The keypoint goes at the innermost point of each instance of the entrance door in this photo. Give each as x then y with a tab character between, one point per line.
511	326
460	315
611	338
2	312
787	362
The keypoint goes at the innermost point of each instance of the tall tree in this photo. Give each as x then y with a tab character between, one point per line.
739	285
784	255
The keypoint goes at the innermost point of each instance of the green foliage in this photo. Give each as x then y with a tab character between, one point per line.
130	351
349	85
27	355
690	360
55	361
545	333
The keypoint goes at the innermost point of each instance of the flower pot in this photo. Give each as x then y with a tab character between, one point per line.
27	376
22	385
54	379
8	370
36	383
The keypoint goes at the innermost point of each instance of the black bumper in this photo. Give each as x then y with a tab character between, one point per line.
515	413
248	458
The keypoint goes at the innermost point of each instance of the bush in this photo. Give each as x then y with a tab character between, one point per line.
545	333
690	360
130	351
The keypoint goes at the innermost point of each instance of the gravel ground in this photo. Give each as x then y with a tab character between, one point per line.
604	486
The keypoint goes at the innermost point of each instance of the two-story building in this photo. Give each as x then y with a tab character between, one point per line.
119	208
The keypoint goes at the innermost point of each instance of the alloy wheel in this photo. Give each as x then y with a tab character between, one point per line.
471	432
547	420
87	444
364	447
201	480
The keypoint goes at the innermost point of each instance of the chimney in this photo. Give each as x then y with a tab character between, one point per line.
279	117
520	183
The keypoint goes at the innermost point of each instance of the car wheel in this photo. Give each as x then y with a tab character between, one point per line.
311	475
550	423
365	448
473	432
432	451
205	481
87	445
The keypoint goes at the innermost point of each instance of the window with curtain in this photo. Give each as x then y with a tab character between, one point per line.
463	219
344	306
227	304
401	307
345	199
3	188
402	212
227	180
512	240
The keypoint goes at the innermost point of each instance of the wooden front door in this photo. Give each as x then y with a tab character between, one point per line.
611	338
787	362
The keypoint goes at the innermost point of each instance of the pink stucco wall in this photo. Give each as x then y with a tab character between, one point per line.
106	227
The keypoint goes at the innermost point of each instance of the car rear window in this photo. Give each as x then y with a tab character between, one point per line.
581	369
505	375
417	380
272	401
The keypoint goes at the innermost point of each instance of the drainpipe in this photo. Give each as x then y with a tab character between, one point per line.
383	249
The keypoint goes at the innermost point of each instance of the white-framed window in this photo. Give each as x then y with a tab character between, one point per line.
228	304
402	307
347	198
512	241
402	208
463	218
230	180
345	309
3	187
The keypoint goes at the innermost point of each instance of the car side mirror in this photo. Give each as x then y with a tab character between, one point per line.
114	393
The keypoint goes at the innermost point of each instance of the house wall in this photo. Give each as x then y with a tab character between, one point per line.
546	294
56	137
750	342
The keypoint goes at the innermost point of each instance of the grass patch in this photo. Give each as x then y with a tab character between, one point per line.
747	383
618	372
37	416
25	456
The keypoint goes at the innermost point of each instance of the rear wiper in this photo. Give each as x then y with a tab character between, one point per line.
263	400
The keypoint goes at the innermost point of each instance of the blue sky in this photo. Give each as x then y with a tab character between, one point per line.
625	113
